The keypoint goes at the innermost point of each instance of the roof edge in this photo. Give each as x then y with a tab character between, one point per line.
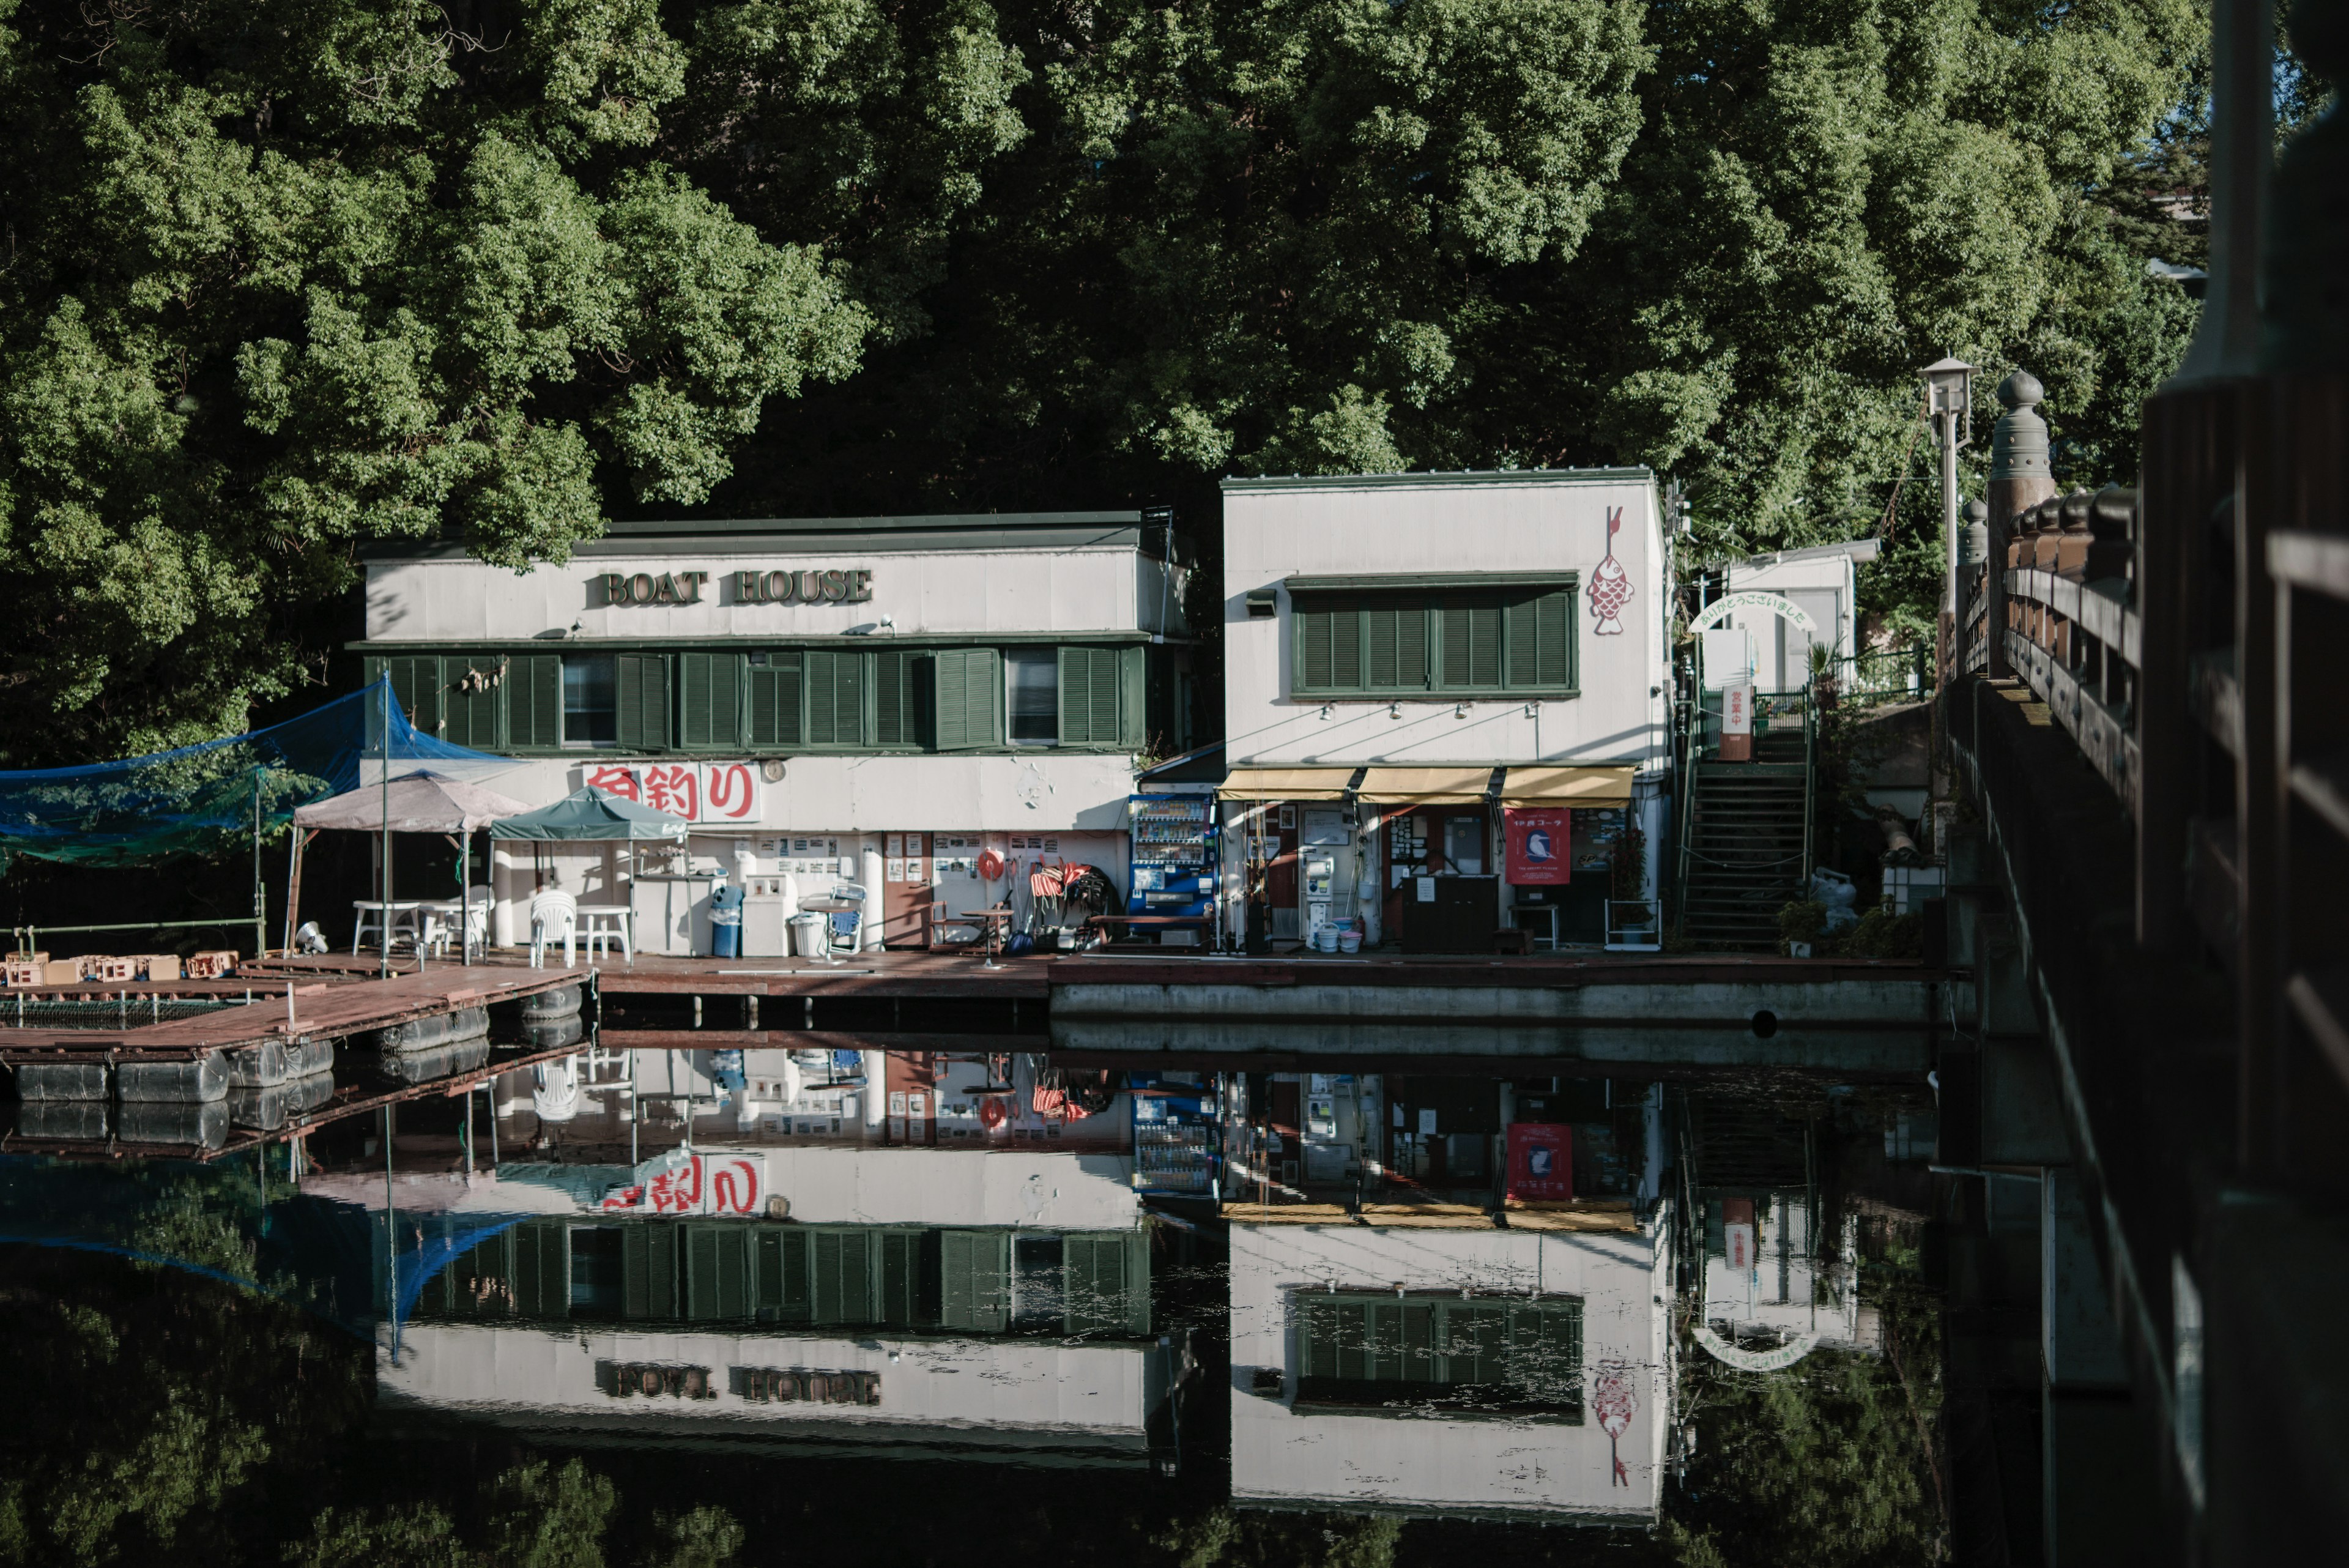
1438	479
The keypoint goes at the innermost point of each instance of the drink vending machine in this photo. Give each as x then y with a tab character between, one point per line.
1175	859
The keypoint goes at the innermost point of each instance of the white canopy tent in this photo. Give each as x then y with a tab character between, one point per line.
424	801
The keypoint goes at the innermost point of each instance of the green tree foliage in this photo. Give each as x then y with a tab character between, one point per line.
286	278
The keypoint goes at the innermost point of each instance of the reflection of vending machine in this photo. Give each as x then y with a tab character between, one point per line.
1173	870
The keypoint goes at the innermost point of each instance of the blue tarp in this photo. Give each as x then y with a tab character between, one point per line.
207	797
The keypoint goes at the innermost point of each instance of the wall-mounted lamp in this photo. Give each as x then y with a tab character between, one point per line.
1533	710
1460	710
1325	709
1394	709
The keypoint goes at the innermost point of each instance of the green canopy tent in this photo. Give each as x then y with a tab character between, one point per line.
592	816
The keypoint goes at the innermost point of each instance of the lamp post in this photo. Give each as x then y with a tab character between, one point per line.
1948	394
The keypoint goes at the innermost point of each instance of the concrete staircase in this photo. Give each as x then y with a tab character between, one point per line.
1745	842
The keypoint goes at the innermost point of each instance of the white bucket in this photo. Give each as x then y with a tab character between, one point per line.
1325	939
1349	940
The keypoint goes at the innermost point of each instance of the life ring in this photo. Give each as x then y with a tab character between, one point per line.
990	866
992	1112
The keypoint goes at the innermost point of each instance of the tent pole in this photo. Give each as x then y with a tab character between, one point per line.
293	883
260	888
386	927
465	906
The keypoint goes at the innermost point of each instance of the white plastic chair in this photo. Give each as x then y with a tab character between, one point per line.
552	909
847	925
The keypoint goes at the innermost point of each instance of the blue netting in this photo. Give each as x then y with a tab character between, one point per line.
204	798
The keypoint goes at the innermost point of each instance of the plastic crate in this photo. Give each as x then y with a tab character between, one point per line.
26	972
211	965
158	966
109	971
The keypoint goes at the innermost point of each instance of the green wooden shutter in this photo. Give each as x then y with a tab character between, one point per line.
1091	683
534	701
1475	1336
845	1277
835	698
472	693
1395	647
1472	645
710	701
1329	649
642	701
775	696
648	1271
795	1302
415	686
901	697
1541	641
1544	1354
974	1285
717	1272
969	682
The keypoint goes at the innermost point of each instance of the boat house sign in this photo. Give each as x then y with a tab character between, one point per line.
827	587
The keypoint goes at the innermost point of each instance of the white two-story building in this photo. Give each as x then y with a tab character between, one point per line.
1445	704
876	700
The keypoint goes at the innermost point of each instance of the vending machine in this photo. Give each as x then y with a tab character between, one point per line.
1173	858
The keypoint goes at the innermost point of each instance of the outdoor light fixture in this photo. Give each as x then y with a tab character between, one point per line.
1325	709
1948	395
1394	709
1460	710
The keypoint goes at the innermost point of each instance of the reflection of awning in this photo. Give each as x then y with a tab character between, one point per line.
1427	786
1286	784
1568	786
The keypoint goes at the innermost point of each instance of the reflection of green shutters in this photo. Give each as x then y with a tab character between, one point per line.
1091	680
710	701
541	1269
1520	1353
844	1283
835	698
974	1281
901	1277
969	684
775	701
716	1271
648	1271
534	701
642	701
901	698
1107	1282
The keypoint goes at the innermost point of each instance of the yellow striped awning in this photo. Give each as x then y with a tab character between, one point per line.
1550	785
1427	786
1286	784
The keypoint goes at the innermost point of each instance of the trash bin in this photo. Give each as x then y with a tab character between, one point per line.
810	934
726	921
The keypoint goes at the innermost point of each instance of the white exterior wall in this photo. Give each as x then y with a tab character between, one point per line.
927	593
1432	524
981	1386
1802	579
1439	1462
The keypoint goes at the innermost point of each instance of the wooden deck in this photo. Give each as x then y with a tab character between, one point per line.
321	1011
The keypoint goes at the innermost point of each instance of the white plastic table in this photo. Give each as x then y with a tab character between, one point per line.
600	922
407	915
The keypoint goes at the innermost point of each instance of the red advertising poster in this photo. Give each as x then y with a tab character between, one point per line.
1540	841
1541	1162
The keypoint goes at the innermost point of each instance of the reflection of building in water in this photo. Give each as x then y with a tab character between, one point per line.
1451	1367
1765	1268
1480	1325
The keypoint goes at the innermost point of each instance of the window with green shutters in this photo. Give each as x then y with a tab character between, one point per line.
648	1271
775	700
902	699
473	697
716	1271
415	686
643	704
969	682
1511	1353
845	1277
1092	682
710	701
1440	643
534	701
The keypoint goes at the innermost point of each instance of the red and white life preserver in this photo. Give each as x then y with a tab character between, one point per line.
991	864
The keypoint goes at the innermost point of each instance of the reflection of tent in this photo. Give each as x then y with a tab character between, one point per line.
420	802
591	816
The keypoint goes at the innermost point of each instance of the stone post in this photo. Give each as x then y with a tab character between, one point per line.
2020	479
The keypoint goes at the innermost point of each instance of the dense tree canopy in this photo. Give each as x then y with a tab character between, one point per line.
282	279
